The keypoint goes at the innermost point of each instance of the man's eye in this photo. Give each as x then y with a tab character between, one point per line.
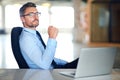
31	14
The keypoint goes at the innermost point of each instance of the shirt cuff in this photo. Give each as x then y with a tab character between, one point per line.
52	42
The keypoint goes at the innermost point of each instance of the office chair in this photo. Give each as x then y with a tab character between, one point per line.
15	33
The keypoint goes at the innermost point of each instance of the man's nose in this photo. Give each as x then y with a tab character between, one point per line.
36	16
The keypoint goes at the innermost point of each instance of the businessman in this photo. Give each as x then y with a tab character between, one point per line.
37	54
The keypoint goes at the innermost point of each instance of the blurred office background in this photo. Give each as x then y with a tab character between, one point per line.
81	23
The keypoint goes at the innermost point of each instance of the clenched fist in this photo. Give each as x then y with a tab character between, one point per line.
52	32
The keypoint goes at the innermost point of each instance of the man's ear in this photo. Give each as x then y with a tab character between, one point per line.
22	19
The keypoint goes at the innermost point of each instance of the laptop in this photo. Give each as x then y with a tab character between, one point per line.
94	62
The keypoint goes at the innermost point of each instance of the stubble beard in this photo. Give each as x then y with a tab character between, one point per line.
34	25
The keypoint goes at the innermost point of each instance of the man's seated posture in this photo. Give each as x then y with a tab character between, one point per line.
36	53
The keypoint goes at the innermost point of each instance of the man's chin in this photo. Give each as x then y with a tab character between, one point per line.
35	25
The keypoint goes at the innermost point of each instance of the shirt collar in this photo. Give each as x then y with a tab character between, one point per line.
30	30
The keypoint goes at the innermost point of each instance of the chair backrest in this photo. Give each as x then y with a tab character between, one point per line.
15	33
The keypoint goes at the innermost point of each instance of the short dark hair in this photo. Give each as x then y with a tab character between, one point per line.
23	8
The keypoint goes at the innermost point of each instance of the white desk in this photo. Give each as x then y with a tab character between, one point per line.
36	74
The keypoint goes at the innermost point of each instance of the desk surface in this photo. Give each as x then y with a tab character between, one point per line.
37	74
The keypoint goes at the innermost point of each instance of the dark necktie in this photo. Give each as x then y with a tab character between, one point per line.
53	62
41	39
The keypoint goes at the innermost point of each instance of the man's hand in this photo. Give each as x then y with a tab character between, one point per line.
52	32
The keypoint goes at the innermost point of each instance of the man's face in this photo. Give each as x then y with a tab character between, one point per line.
30	18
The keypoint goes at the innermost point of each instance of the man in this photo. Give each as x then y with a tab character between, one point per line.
35	52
